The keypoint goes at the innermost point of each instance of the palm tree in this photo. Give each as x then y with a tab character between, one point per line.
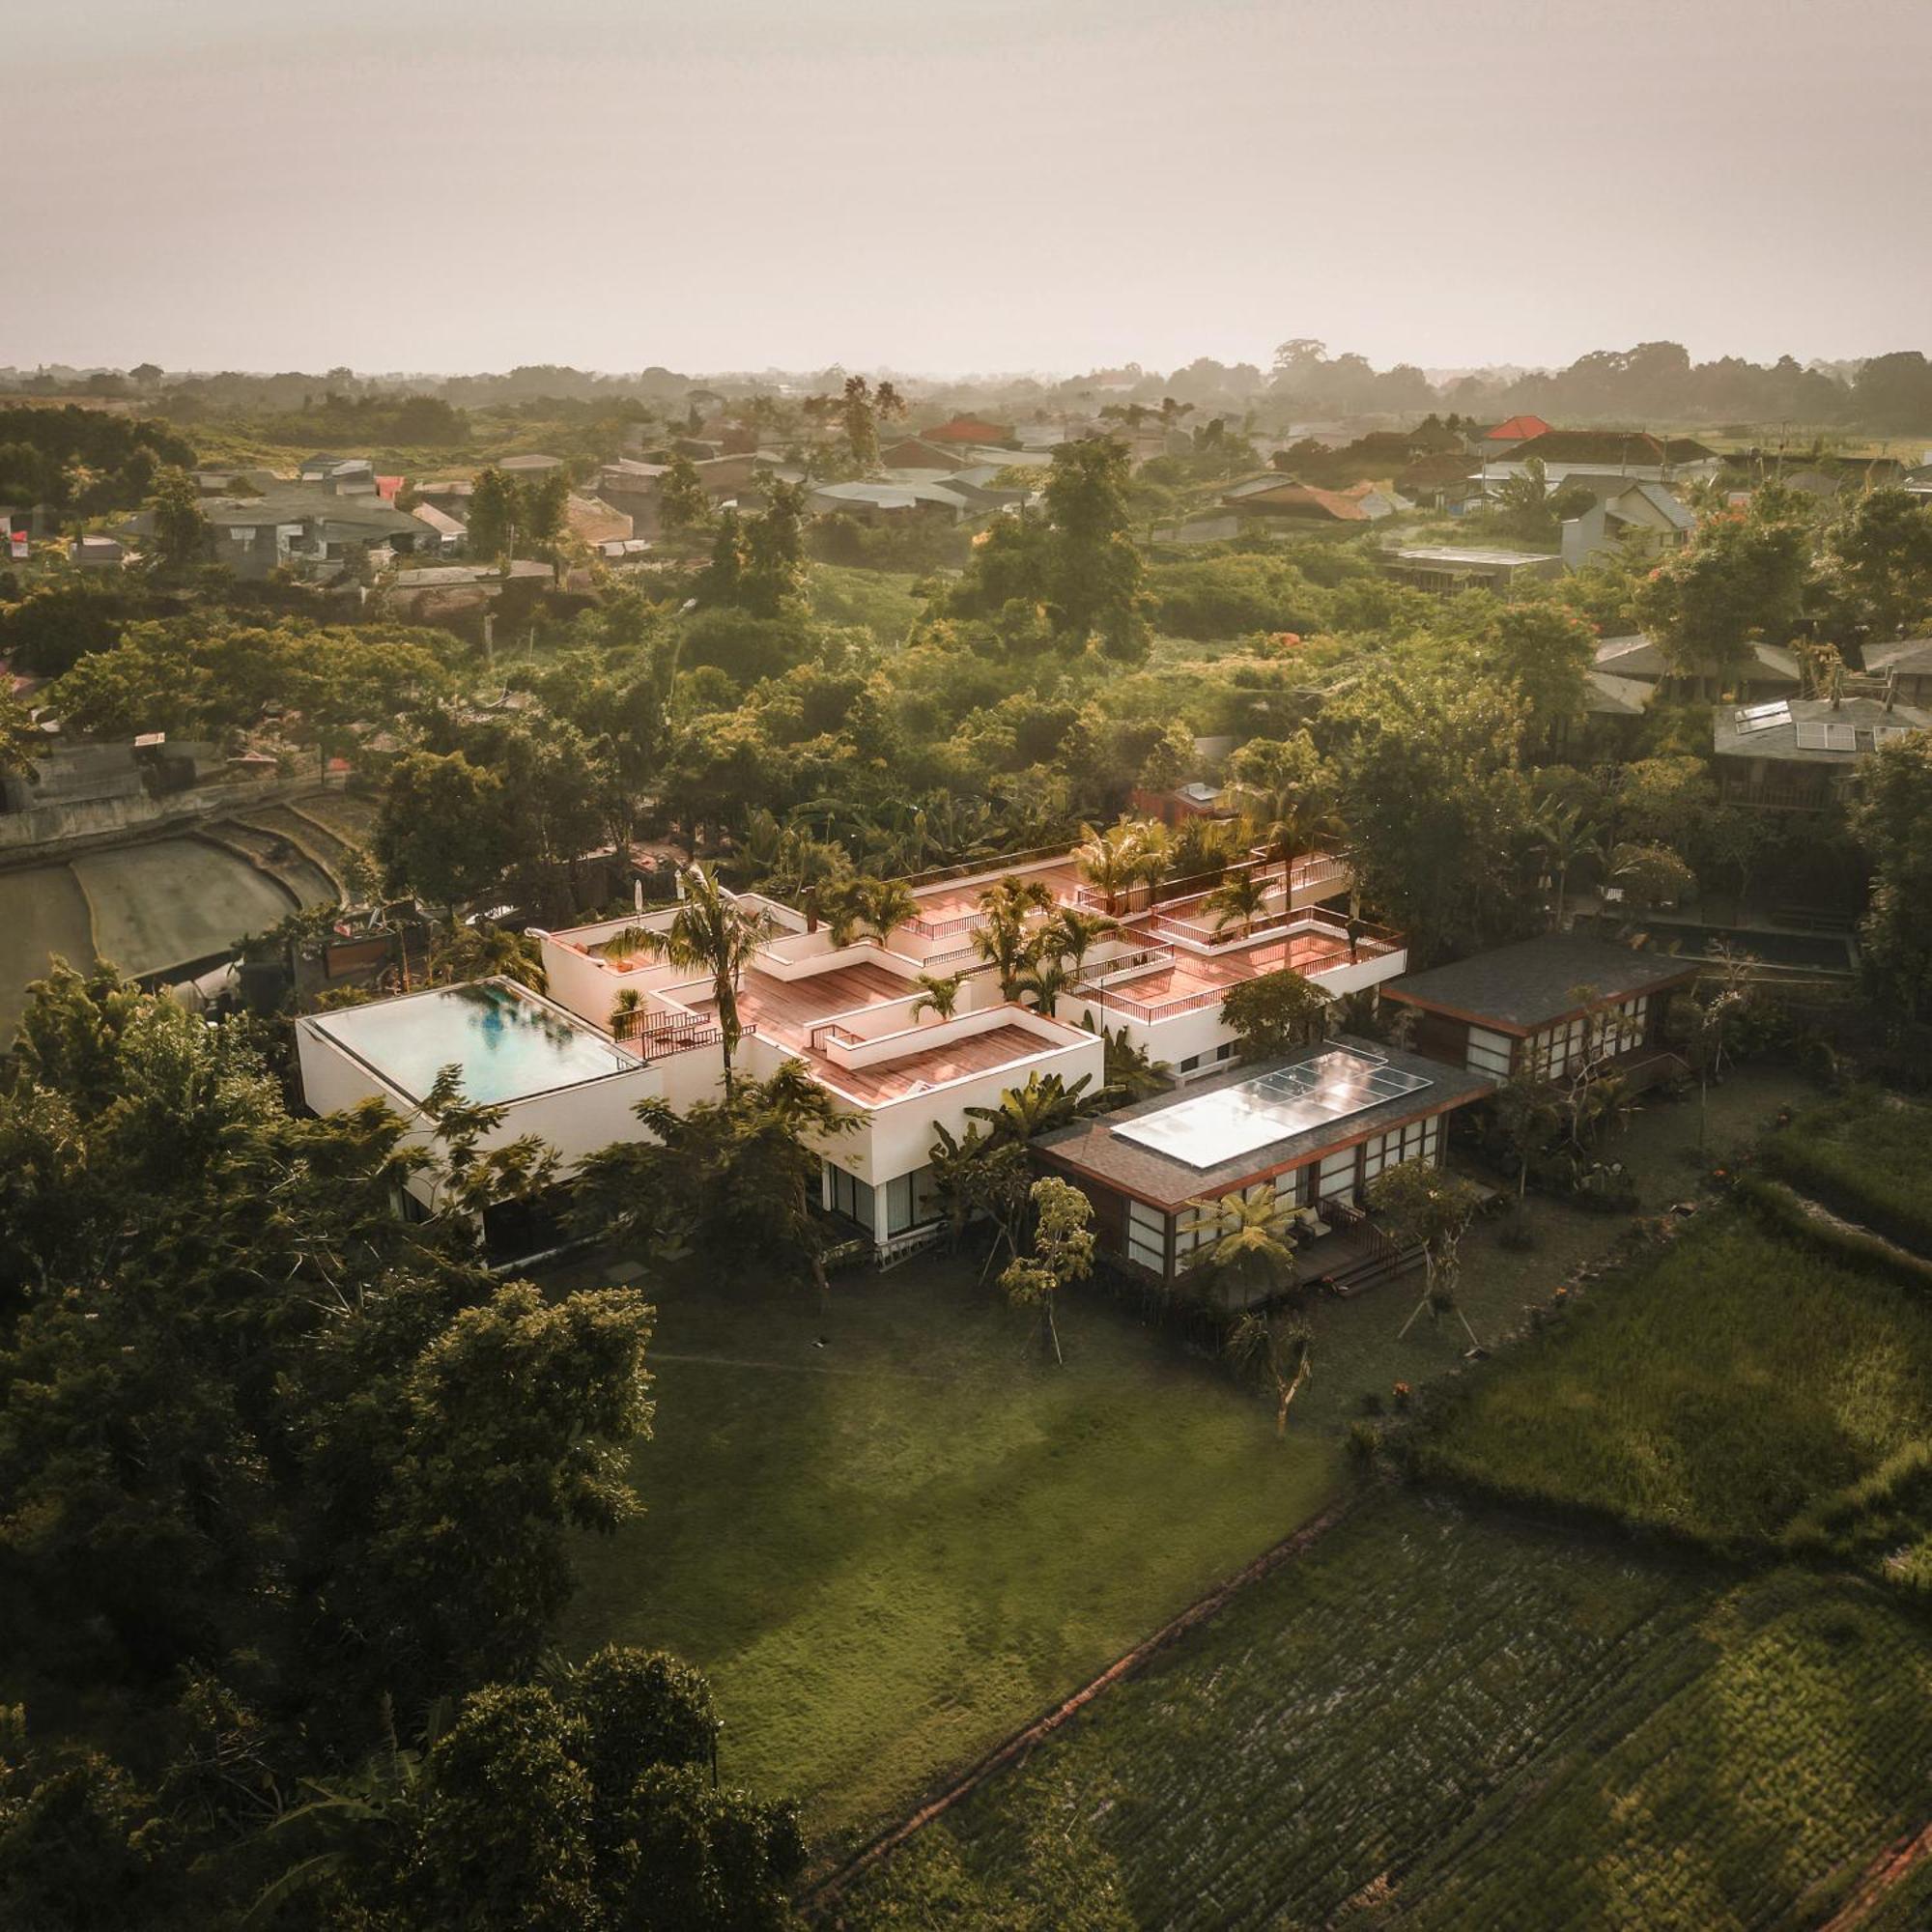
1045	980
1109	859
1287	793
486	953
1152	845
939	994
1562	833
1024	1113
1242	1238
1070	934
710	932
1240	899
1001	938
886	904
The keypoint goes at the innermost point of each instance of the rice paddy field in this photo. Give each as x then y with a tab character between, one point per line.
1718	1394
1870	1157
1444	1718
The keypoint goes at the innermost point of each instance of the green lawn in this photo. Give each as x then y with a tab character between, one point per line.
881	601
892	1551
1432	1708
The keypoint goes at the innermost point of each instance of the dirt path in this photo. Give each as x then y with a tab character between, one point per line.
1021	1742
1891	1868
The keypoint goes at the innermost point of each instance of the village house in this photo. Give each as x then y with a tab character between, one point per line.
631	487
1905	667
1447	570
339	475
1641	516
1632	455
1545	1009
1768	671
1796	755
305	526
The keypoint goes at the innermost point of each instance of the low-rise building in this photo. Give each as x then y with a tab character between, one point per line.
1312	1129
1905	667
1768	671
1545	1007
1447	570
1796	755
1626	515
859	1019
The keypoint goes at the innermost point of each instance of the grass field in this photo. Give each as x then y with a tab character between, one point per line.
1717	1393
1439	1713
892	1551
1868	1156
879	599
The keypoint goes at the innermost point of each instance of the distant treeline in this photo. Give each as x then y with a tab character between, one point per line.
85	460
1653	384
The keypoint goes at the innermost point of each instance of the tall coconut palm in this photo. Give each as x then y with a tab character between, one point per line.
710	932
1153	847
1045	980
486	953
1240	900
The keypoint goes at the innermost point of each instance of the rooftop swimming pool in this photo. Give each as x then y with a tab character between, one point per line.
508	1044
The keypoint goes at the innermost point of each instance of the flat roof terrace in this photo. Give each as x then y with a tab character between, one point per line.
959	898
1182	981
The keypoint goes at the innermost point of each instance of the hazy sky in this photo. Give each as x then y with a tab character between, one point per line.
936	185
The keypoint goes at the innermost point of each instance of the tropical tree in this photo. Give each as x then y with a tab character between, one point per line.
1704	1017
1063	1252
1424	1207
1004	938
1110	861
1563	833
1131	1072
1277	1349
1070	934
486	952
1240	900
939	994
1287	790
1023	1114
683	502
1275	1013
710	932
1246	1243
886	904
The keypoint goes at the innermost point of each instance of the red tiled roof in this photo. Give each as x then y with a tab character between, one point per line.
1302	499
967	429
1519	429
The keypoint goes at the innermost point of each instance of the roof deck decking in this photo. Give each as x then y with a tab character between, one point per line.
932	1067
1188	981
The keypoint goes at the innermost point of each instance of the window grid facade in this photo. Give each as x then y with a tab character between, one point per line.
1419	1139
1147	1237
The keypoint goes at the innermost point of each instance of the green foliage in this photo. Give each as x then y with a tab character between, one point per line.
1890	815
1275	1013
92	461
442	829
1864	1156
1734	1383
1741	577
180	540
284	1470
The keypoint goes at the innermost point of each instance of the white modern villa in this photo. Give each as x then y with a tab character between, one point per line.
847	1012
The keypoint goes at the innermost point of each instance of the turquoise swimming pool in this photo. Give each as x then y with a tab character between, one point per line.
508	1044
